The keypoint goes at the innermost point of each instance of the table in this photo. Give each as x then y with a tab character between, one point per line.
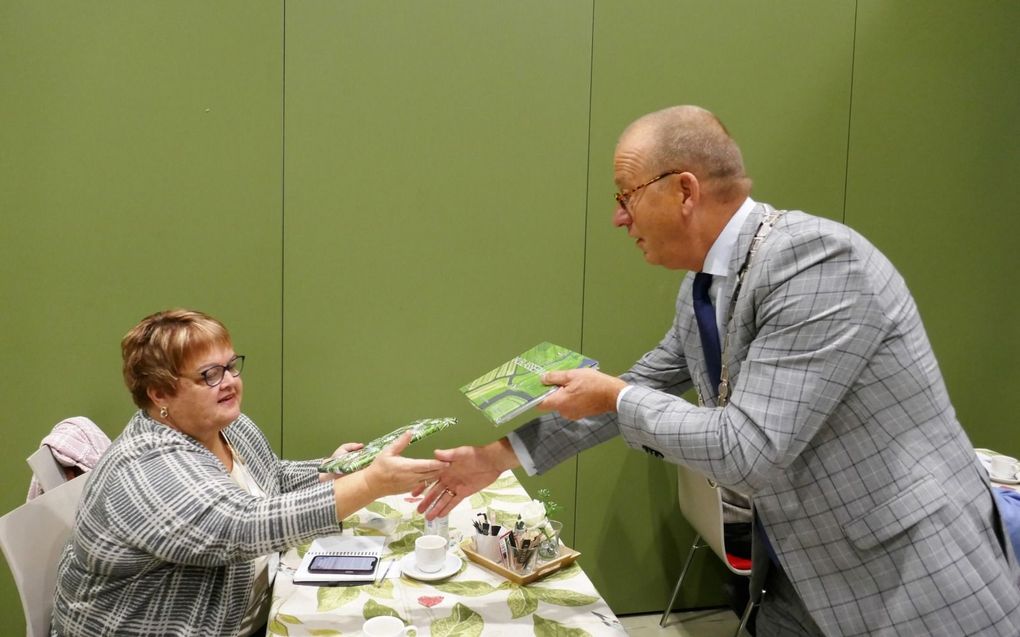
474	602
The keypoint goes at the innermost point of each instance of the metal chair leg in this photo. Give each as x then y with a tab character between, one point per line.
744	619
683	572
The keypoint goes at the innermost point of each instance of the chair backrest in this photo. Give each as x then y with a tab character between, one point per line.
47	470
32	538
701	504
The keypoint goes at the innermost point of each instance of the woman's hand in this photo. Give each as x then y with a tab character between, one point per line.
347	447
390	473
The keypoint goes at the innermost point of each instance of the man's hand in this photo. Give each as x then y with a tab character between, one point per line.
582	393
390	473
470	470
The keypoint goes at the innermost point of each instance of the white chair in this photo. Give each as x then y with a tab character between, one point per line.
32	537
48	472
701	504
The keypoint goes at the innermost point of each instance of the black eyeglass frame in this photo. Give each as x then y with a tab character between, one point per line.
235	365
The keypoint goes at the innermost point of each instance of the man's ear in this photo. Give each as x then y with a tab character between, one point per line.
690	192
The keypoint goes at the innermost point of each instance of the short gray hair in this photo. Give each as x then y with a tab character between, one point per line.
693	139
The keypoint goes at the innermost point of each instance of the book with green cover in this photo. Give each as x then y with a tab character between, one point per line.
516	385
355	460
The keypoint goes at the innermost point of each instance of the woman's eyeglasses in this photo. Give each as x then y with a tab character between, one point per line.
213	376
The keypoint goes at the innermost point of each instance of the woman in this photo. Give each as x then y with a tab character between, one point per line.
180	525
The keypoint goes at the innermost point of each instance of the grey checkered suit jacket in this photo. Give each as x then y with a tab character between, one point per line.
841	430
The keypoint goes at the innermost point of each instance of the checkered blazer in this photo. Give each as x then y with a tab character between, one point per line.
841	430
164	539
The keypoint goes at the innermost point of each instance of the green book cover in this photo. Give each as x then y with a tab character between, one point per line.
516	385
354	460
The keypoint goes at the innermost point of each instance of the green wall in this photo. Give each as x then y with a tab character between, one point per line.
383	199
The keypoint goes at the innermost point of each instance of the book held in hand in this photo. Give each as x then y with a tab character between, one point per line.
516	385
355	460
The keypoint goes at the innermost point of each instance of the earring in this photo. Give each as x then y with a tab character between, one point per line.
163	413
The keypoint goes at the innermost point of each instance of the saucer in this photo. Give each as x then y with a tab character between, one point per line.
1003	479
410	568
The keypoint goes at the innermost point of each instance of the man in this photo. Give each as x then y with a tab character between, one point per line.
825	404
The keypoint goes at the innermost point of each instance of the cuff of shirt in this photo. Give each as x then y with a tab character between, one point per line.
523	455
619	397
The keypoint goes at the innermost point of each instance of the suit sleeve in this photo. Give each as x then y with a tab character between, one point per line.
815	322
551	439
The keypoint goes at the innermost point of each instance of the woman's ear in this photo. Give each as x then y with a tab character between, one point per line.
156	396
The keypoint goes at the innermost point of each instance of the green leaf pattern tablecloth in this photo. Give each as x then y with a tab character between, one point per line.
474	602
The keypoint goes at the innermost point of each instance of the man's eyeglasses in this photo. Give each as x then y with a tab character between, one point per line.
213	376
623	197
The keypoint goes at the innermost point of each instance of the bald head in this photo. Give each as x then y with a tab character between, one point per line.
693	139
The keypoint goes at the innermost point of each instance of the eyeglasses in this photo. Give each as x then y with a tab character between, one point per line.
623	197
213	376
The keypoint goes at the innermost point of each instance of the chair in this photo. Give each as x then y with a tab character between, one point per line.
48	472
32	537
701	504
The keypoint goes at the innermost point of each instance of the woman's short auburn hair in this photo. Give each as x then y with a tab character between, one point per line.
157	349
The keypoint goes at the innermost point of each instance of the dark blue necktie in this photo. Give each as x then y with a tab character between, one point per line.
707	327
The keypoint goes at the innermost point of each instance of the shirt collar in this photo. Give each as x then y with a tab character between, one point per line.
717	261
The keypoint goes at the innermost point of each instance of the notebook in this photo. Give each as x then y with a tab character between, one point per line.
364	550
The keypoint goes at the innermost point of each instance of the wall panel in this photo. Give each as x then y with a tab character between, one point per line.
140	159
435	176
932	181
778	75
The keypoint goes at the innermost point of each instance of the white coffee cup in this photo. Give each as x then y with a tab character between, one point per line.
430	553
1004	467
386	626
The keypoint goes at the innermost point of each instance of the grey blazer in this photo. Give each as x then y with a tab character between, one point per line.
839	428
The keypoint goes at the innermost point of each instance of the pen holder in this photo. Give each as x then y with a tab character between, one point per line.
522	560
487	546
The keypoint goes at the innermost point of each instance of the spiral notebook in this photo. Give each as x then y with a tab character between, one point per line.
341	545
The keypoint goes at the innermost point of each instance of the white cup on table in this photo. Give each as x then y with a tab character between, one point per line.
1004	467
386	626
430	553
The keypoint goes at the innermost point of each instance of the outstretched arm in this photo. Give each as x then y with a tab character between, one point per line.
470	470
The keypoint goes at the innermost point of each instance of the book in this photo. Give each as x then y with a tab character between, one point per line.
355	460
516	386
366	549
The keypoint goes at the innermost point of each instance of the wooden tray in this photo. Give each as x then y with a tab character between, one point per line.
566	557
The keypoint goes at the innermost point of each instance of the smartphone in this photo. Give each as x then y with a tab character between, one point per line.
343	564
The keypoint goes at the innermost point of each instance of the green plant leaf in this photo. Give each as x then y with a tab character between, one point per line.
276	628
331	597
521	602
466	589
383	509
352	521
549	628
564	573
324	632
303	548
508	482
375	609
288	619
462	622
562	596
480	500
383	590
404	545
